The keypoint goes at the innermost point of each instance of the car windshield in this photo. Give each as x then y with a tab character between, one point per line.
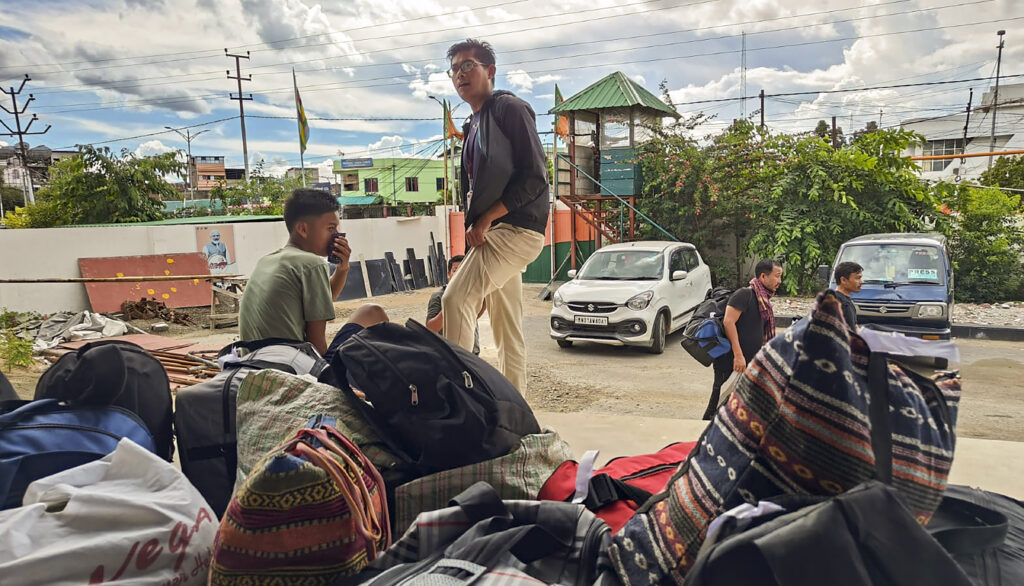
897	263
623	265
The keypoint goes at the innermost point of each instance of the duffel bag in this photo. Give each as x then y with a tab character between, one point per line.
806	417
118	373
45	437
204	420
617	490
864	537
484	540
518	475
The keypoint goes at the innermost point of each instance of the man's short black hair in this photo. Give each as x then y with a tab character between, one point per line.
455	260
482	50
846	269
304	203
765	266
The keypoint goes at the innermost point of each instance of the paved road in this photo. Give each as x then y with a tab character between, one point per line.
607	379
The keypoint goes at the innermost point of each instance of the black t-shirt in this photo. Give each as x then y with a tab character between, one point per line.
750	326
849	310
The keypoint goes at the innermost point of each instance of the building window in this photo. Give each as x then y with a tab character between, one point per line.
440	183
350	182
412	183
370	185
941	147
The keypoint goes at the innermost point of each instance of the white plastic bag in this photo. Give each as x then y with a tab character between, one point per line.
129	518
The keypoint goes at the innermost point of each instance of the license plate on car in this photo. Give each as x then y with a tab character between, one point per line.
591	320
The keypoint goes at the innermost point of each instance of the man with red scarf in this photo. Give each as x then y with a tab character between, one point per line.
749	322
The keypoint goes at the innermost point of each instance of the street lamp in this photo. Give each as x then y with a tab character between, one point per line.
189	137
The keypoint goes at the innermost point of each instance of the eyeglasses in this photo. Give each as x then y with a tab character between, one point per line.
464	67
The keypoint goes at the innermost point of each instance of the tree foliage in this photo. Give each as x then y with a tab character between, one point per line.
97	186
986	237
1005	172
265	193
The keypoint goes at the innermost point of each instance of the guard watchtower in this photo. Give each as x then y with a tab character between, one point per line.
607	122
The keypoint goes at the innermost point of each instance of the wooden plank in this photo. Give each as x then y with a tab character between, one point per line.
397	279
107	297
147	341
380	276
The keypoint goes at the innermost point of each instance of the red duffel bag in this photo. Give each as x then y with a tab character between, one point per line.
615	492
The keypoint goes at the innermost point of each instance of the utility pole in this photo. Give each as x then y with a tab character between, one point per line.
967	121
189	137
761	95
18	131
995	99
241	100
743	76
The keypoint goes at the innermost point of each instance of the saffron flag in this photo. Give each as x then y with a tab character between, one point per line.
303	123
450	129
562	128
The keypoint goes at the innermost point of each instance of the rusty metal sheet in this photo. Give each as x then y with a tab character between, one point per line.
148	341
105	297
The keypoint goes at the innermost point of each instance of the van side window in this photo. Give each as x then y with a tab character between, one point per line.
676	262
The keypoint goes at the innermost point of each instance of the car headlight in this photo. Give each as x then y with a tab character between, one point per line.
641	301
930	310
557	299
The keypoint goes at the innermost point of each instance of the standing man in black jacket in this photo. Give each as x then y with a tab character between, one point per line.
505	195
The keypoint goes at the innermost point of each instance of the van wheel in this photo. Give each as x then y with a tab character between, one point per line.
658	335
564	343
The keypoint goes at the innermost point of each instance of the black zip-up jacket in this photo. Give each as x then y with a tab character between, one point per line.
510	165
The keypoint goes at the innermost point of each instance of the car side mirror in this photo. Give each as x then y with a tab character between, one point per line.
679	275
823	273
571	273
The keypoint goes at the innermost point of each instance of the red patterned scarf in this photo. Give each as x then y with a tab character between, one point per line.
764	304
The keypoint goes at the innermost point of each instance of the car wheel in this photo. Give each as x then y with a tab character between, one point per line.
564	343
658	335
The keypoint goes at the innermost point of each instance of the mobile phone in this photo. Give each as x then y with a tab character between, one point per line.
331	257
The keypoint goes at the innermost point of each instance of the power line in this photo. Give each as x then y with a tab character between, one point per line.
147	135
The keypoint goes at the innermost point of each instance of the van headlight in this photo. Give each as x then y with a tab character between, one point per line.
557	299
930	310
641	301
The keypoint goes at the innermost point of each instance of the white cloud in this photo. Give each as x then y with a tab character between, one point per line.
436	84
387	142
640	79
523	82
152	147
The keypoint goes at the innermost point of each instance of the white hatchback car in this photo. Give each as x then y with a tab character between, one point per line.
630	294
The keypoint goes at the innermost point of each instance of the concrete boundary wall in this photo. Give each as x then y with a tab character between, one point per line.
54	252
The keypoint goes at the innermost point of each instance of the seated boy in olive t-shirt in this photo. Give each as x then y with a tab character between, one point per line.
290	293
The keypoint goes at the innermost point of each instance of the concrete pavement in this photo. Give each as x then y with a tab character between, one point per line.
993	465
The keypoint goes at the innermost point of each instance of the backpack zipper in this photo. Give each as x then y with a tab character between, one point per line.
467	378
68	426
414	395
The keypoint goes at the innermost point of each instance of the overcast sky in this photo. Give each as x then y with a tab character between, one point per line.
112	70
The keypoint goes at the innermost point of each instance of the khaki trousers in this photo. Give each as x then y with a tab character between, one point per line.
493	272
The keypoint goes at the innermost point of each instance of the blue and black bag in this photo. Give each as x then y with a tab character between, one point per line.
704	335
41	438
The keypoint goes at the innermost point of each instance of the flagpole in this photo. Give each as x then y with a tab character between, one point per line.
447	145
299	113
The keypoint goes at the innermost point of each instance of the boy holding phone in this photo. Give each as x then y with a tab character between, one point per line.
291	294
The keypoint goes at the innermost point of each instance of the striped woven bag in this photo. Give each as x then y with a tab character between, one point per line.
312	511
799	422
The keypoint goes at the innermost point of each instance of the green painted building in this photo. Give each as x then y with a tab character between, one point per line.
393	181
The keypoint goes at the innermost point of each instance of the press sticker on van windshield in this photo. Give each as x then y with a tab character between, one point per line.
923	274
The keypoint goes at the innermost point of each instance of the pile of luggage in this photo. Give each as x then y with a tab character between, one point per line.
407	460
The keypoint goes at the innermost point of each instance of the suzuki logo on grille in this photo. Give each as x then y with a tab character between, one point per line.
590	307
882	309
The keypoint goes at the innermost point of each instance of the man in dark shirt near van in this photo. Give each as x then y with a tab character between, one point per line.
749	322
849	278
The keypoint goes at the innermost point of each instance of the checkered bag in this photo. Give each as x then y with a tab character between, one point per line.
799	422
518	475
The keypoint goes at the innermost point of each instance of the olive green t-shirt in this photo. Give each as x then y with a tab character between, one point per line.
288	288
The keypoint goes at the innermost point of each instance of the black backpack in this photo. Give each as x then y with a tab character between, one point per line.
437	405
118	373
704	335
